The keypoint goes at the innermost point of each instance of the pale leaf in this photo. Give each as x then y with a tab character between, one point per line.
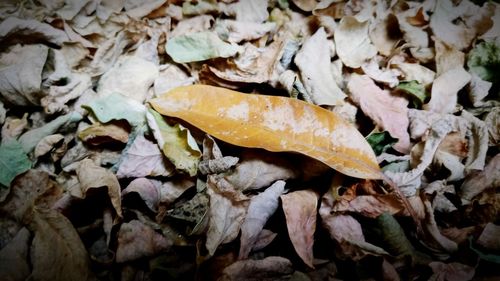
273	123
447	57
313	61
98	133
32	30
300	209
445	89
148	190
477	182
260	209
143	158
386	110
352	42
237	31
442	24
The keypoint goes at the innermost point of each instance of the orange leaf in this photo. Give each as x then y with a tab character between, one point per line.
273	123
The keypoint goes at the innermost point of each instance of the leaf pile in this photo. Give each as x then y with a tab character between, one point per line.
249	140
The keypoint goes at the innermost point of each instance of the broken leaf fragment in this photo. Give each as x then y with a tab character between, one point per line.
176	143
13	161
273	123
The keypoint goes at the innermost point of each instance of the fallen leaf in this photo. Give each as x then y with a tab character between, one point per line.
352	42
30	30
13	128
199	7
13	162
192	25
386	110
172	189
225	215
393	236
98	133
306	5
445	89
194	211
130	76
385	35
380	142
56	251
47	144
415	89
478	89
451	271
92	176
477	182
137	11
14	257
442	23
492	121
258	169
434	239
313	61
116	107
176	143
270	268
264	238
387	76
415	71
260	209
236	31
371	206
249	10
148	190
199	46
489	237
300	208
335	143
213	162
143	158
3	113
484	60
170	77
137	240
447	58
21	73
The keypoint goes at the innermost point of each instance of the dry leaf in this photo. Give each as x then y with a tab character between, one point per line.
371	206
148	190
28	30
445	89
143	158
48	143
444	27
352	42
92	176
306	5
273	123
477	182
451	271
213	162
249	10
225	216
98	133
415	71
237	31
300	209
385	35
269	269
172	189
14	257
137	240
489	237
14	127
387	76
447	57
260	209
388	111
313	61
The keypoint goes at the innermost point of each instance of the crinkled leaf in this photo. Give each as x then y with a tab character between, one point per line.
477	182
249	10
225	216
267	269
199	46
237	31
484	60
380	142
57	252
148	190
445	89
117	107
30	139
443	25
451	271
30	30
386	110
13	161
21	73
176	143
300	209
393	236
92	176
260	209
98	133
313	61
273	123
137	240
489	237
415	89
352	42
143	158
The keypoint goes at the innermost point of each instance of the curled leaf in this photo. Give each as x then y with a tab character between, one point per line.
273	123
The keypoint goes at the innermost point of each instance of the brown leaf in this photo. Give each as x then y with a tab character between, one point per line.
213	162
14	257
98	133
269	269
57	253
477	182
451	271
137	240
489	237
273	123
225	216
92	176
261	207
371	206
300	209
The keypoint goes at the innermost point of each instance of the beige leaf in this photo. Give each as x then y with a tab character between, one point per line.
99	133
226	214
57	253
306	5
249	10
445	88
300	209
148	190
143	158
352	42
192	25
492	121
47	144
387	76
313	61
477	182
268	269
371	206
34	31
260	209
447	58
478	89
382	35
442	24
387	111
92	176
435	239
415	71
213	162
14	127
171	76
174	188
137	240
237	31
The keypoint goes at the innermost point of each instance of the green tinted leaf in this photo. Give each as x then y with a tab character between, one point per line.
13	162
380	142
176	142
484	60
393	236
199	46
415	89
117	107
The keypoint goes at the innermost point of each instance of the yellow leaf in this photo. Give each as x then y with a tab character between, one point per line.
273	123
